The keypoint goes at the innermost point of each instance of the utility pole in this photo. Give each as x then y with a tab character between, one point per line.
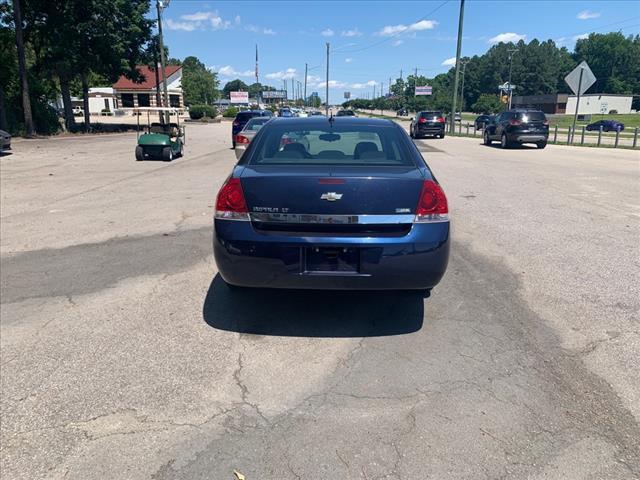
293	90
511	52
374	90
400	74
160	6
305	83
457	77
575	115
327	85
389	91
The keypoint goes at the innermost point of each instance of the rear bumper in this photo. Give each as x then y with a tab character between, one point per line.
430	129
529	137
416	261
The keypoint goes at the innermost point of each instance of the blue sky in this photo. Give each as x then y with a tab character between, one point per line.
370	40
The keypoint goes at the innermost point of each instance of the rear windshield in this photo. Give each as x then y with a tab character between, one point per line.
334	145
430	114
531	117
346	113
256	123
244	116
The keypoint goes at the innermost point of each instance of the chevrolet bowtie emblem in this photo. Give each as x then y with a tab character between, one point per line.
331	196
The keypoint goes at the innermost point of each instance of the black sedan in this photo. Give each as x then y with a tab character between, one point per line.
482	120
606	126
427	123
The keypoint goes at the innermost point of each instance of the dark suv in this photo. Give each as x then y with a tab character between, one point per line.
516	127
427	123
241	120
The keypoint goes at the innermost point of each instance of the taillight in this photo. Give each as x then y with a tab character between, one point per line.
286	141
242	140
230	204
422	120
545	122
441	119
236	123
432	205
513	121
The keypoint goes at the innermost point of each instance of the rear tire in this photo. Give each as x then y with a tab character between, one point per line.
139	153
167	154
504	143
441	135
541	144
485	139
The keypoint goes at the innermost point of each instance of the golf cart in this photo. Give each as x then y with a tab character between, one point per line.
162	140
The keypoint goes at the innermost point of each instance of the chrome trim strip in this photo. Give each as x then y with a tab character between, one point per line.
331	219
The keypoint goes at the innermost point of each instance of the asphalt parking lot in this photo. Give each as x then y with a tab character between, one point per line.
125	356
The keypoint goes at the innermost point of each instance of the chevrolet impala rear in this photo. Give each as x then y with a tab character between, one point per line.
350	205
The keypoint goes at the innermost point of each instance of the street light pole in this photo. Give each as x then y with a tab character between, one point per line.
327	84
305	84
457	76
160	6
511	52
464	69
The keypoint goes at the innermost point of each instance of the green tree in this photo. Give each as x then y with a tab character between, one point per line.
236	85
488	103
199	84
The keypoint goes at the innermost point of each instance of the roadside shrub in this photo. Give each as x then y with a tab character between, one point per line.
230	112
613	112
196	112
45	118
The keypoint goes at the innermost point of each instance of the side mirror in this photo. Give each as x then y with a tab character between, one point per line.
411	119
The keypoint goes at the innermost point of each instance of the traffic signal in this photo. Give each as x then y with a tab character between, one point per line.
504	99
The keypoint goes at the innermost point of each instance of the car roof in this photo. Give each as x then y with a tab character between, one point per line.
321	122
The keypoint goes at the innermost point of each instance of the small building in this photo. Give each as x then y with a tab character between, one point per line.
597	103
130	94
551	103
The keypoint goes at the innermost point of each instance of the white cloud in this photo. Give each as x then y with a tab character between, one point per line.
229	71
587	15
197	17
357	86
333	84
313	80
507	37
265	31
397	43
288	74
185	26
582	36
237	20
391	30
348	60
449	62
327	33
219	24
351	33
199	20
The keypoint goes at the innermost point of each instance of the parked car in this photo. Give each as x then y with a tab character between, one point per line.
402	112
427	123
606	125
481	121
343	214
518	127
5	141
241	120
346	113
285	112
78	111
244	138
316	113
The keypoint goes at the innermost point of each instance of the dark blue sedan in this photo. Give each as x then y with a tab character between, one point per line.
353	206
606	125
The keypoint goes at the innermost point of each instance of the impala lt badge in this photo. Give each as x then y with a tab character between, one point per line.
331	196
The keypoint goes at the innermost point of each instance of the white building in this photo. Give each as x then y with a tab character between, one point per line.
593	103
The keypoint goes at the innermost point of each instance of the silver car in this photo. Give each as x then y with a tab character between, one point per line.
5	141
243	139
